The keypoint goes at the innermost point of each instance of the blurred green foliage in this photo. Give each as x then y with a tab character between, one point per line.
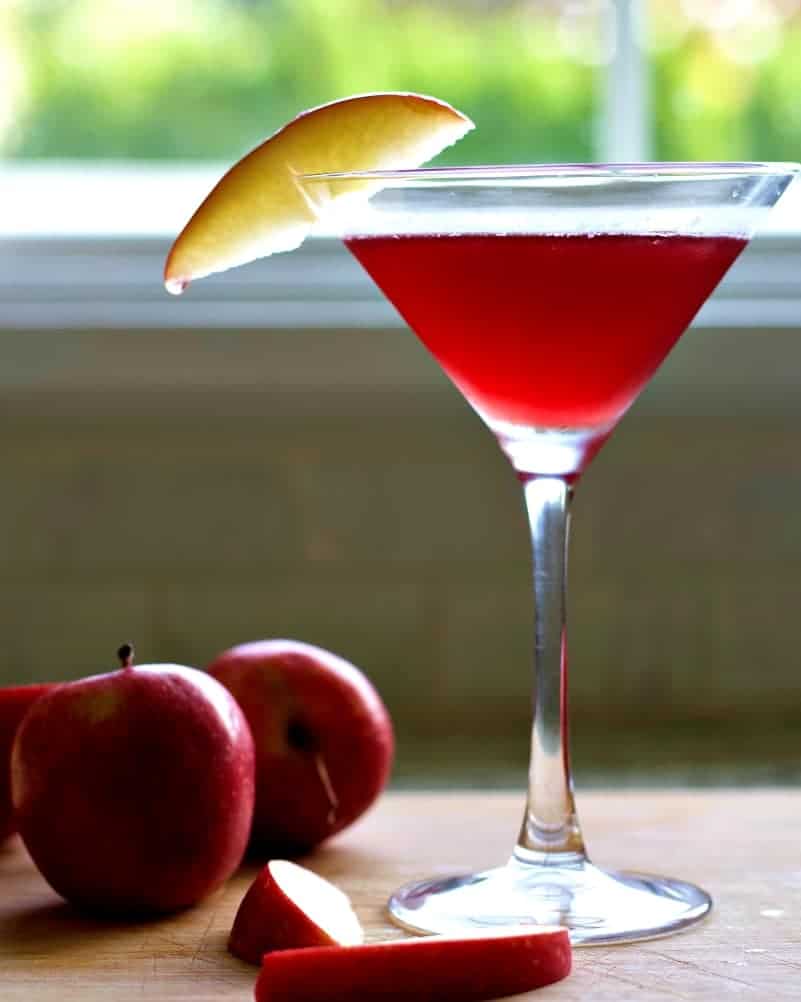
206	79
209	78
731	92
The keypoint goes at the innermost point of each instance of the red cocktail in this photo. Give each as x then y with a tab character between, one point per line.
544	331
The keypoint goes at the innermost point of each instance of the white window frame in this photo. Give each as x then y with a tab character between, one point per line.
114	283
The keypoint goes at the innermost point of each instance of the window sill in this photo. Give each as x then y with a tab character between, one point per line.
65	265
114	283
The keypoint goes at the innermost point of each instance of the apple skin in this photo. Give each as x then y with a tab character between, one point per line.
271	918
324	740
14	704
134	790
431	969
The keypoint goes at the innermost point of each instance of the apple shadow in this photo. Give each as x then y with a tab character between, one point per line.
53	927
10	846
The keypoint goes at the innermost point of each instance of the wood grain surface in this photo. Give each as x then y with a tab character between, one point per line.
744	847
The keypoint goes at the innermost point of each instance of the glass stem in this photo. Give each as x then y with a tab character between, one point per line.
550	829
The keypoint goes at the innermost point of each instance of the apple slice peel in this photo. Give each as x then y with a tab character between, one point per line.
431	969
290	907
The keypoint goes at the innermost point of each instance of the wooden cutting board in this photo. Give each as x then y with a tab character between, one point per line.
744	847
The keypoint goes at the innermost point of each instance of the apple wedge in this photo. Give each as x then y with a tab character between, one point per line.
289	907
14	704
258	208
432	969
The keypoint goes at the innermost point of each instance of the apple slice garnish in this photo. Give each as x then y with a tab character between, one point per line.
432	969
258	208
289	907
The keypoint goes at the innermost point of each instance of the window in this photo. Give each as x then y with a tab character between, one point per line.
116	116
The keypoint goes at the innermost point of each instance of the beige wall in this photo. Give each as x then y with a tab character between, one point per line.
189	491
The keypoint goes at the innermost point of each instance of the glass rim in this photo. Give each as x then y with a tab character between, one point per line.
559	171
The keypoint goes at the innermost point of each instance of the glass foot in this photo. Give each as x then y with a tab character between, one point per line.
597	906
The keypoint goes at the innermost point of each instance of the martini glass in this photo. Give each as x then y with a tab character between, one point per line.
550	295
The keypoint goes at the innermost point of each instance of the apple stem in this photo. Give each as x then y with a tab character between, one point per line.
126	655
328	786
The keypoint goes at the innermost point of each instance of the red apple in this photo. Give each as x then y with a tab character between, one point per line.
134	791
14	704
323	738
433	969
290	907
